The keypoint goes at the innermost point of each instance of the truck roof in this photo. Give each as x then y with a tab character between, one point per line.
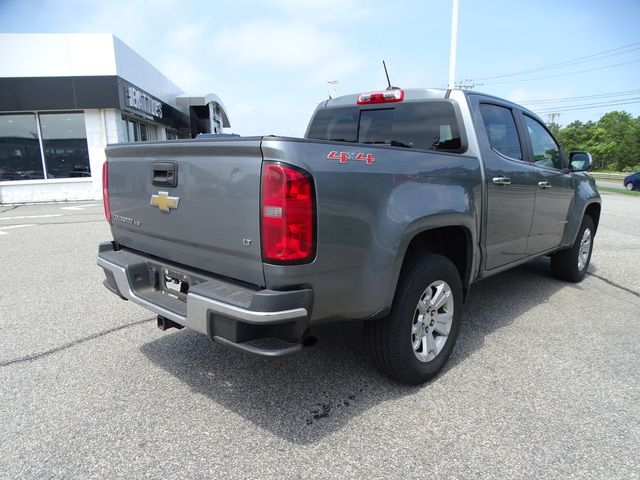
409	94
413	94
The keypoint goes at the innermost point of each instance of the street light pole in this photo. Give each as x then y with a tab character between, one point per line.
332	87
454	44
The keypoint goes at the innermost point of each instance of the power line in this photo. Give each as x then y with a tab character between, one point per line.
465	84
562	74
567	99
588	106
586	58
587	115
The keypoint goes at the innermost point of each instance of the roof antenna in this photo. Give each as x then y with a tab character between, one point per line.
387	74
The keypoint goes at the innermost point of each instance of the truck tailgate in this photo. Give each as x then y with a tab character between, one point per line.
209	220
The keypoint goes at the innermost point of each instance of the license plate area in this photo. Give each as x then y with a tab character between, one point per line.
174	283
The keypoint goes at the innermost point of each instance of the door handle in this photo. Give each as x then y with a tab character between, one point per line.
544	184
502	181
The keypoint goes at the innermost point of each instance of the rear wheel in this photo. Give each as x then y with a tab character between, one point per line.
571	265
629	186
412	344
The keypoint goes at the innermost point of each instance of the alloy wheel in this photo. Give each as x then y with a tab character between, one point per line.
432	321
585	249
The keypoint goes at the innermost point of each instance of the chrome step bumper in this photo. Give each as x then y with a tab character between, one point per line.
226	312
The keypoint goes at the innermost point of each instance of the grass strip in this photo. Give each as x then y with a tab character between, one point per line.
617	190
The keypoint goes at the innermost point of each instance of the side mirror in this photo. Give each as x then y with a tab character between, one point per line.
580	161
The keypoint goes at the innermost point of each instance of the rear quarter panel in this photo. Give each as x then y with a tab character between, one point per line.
367	216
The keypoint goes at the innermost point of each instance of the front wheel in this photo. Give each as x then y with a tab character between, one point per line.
571	265
629	186
412	344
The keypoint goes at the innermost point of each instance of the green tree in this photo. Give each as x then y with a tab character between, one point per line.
614	140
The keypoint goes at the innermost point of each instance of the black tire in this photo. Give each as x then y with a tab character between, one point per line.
629	186
565	265
390	339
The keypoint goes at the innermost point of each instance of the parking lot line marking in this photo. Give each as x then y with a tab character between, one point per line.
15	226
31	216
80	207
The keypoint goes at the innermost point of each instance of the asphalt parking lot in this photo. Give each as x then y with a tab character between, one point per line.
544	381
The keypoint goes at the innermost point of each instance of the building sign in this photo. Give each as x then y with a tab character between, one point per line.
143	102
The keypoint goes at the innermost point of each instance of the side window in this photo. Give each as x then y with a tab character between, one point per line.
430	125
546	152
501	130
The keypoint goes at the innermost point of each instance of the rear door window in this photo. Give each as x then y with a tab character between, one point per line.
501	130
430	125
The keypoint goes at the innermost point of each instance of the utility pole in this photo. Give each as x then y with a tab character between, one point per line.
332	87
454	44
552	117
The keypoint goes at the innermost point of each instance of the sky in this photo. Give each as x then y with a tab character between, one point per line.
270	61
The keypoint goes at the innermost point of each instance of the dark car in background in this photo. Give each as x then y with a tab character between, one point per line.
632	182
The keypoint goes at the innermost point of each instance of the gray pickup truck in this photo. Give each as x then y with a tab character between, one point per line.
393	204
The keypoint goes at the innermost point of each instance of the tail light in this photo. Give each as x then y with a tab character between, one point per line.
386	96
105	191
287	214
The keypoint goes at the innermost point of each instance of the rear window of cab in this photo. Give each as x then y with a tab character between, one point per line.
429	125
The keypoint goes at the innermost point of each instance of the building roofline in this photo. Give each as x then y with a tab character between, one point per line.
185	101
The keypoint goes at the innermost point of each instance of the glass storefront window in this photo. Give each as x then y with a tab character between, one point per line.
132	129
151	132
121	125
139	131
175	135
20	157
64	139
171	134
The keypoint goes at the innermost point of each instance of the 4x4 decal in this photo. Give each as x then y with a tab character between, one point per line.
344	157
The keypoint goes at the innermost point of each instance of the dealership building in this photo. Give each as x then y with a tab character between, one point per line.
64	97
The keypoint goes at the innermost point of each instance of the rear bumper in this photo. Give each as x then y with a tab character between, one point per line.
263	322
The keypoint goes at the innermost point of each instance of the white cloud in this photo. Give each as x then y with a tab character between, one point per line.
300	46
324	10
134	22
181	60
293	46
277	114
